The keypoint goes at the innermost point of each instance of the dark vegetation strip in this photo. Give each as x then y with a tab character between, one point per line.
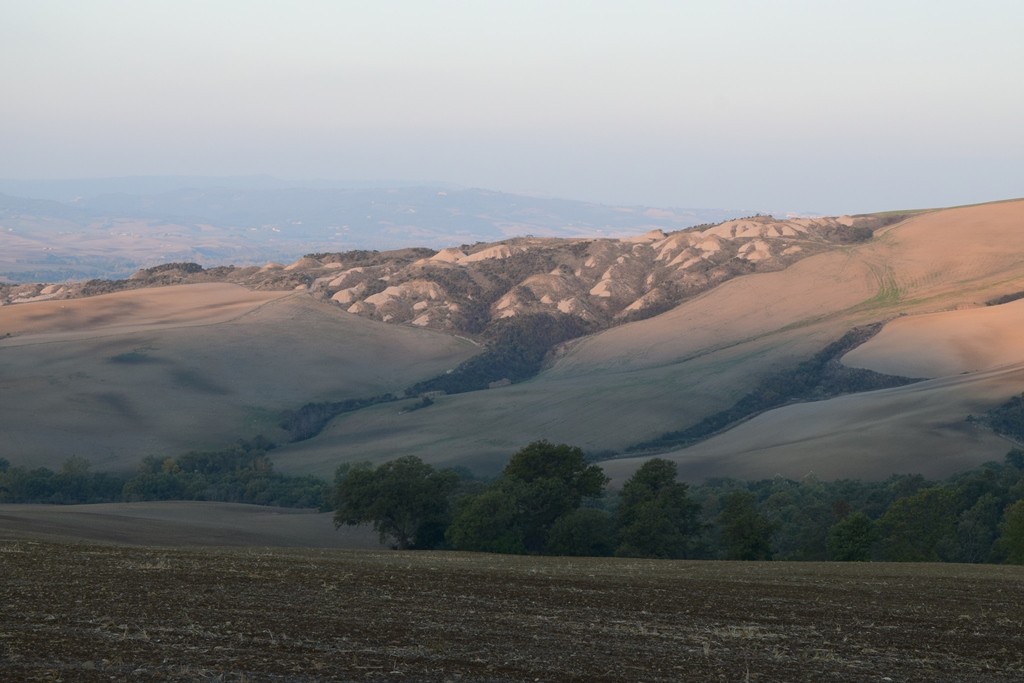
1006	419
310	419
514	350
1005	299
550	501
821	377
242	473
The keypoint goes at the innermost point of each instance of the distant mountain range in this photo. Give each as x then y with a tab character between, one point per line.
79	229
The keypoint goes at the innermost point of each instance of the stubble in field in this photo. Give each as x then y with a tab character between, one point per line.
74	612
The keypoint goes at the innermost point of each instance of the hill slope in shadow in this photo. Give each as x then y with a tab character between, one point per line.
160	371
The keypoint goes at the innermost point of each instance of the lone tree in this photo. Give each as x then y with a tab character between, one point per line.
657	515
405	499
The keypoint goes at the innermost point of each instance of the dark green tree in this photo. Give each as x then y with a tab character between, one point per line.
1011	541
657	516
405	499
587	532
73	481
557	478
850	539
541	483
921	527
746	533
1015	458
491	521
977	529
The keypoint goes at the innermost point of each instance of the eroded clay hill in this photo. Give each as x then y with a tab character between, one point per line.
601	281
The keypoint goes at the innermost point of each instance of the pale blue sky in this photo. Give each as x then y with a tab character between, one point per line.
788	105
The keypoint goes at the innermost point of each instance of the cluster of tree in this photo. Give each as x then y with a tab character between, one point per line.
98	286
1005	299
368	257
240	474
164	274
176	267
417	506
74	482
549	500
820	377
1006	419
848	234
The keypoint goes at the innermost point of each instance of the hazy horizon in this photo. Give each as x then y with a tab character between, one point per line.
789	106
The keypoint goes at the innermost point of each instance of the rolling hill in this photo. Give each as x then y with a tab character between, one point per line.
682	325
617	388
159	371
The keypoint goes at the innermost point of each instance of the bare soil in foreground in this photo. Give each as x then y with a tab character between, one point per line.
76	612
183	523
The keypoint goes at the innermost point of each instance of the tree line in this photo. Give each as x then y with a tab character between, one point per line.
242	473
550	500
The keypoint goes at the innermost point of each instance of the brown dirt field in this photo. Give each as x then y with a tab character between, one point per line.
178	523
101	613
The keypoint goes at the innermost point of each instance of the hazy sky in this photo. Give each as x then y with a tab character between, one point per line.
785	105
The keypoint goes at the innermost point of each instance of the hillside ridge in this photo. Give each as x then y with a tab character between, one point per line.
602	281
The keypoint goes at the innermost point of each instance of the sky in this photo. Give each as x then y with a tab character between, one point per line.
809	106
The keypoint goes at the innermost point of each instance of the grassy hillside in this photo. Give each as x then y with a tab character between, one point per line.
117	377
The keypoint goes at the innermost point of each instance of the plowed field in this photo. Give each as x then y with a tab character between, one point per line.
102	613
